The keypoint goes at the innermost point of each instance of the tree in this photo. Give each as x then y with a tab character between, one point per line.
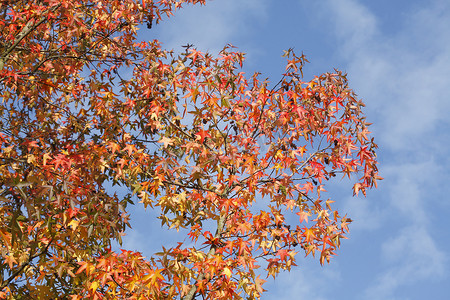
232	161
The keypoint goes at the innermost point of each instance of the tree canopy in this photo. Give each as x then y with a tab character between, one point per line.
233	161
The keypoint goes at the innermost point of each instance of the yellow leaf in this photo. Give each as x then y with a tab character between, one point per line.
31	158
94	286
74	224
258	283
45	157
227	272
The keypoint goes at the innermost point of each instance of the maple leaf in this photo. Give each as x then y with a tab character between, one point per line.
309	235
94	286
307	187
359	187
83	266
283	253
345	222
166	141
132	148
303	216
60	160
74	224
201	135
299	151
154	277
194	55
10	260
259	282
243	227
227	272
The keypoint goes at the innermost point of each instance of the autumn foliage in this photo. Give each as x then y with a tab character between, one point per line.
237	163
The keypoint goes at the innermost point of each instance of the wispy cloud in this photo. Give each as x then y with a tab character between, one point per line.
365	215
407	80
407	87
411	256
213	26
304	282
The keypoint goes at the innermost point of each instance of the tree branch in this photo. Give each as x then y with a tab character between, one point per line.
220	228
26	30
18	271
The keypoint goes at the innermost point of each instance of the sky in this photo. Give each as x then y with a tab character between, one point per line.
397	56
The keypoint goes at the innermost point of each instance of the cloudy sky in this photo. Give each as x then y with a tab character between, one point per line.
397	56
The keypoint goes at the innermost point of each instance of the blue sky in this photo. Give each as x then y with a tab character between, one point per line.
397	56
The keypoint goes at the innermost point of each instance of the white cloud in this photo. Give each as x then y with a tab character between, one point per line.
304	282
411	256
410	92
213	26
405	75
354	23
365	216
407	85
406	189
